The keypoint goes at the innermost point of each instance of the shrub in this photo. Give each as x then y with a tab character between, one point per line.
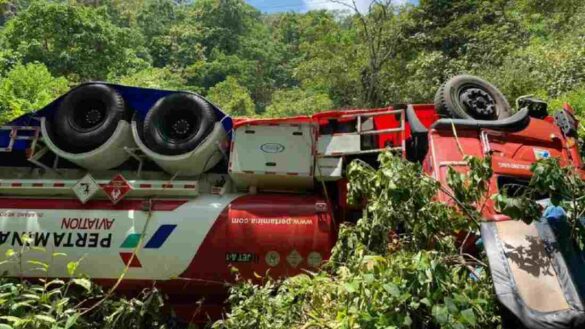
232	98
73	302
27	88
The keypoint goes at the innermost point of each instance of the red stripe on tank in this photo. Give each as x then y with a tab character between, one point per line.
66	204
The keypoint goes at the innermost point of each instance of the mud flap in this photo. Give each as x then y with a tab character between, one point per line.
535	274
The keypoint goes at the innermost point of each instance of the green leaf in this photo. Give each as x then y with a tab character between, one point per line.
38	263
440	313
469	316
84	283
5	326
57	282
425	301
392	289
72	267
451	305
31	296
45	318
71	321
19	305
10	318
350	287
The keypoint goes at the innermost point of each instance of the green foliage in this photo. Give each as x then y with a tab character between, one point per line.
171	38
8	58
27	88
297	101
71	303
518	207
209	73
170	35
576	98
26	305
56	304
152	77
398	266
232	97
470	186
223	22
398	194
391	54
75	41
562	185
410	289
327	57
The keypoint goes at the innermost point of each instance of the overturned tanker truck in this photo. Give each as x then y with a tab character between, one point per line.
162	186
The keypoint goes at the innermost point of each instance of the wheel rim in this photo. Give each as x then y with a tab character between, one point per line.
88	115
478	103
178	125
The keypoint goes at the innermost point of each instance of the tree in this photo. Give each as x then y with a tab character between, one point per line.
208	73
233	98
28	88
329	58
384	33
297	101
237	43
153	77
74	41
223	22
171	32
8	58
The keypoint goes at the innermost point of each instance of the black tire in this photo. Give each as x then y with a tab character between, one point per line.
469	97
178	123
88	116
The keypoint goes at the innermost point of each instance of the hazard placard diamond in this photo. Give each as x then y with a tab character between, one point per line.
117	188
85	188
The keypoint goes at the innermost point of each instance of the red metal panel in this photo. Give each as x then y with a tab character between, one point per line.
275	233
425	112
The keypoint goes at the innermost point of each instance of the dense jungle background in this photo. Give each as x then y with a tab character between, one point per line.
252	63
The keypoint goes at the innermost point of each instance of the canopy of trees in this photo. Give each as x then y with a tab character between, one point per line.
252	63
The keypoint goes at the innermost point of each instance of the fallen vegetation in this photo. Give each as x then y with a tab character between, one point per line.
400	265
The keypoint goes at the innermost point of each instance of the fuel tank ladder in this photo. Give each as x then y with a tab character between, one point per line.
20	133
334	148
37	148
349	143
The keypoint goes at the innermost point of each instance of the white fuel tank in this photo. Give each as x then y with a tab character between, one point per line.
202	158
109	155
102	237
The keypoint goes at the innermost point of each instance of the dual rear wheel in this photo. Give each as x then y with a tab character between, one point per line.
88	116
